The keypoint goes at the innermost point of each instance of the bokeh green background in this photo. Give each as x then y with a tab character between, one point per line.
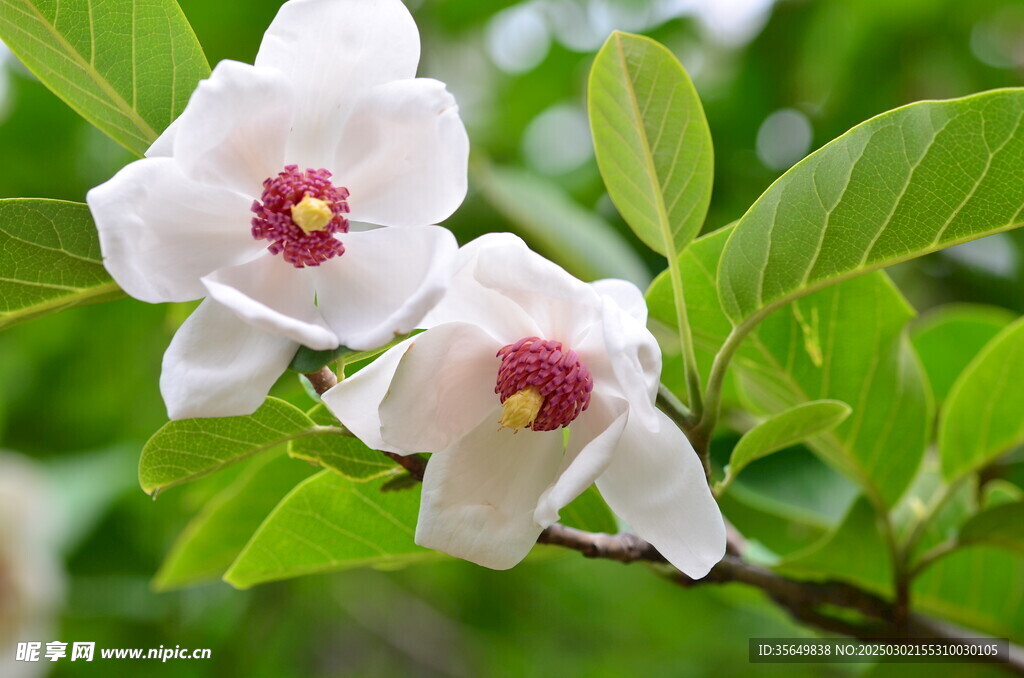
78	391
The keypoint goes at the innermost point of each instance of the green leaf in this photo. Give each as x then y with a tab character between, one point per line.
1001	526
854	552
651	139
338	451
588	246
982	419
845	343
49	260
589	512
949	337
329	523
848	343
126	66
783	430
903	184
214	538
191	448
977	587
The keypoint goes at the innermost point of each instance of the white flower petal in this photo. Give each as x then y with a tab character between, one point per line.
384	283
274	296
656	484
635	359
513	292
403	154
593	439
332	52
163	147
627	295
468	301
356	400
160	232
480	494
442	389
234	130
219	366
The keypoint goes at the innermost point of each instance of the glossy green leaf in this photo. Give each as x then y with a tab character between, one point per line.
849	343
652	141
191	448
841	553
978	587
948	338
1001	526
330	523
905	183
49	260
982	419
586	245
338	451
997	492
783	430
589	512
941	506
845	343
213	539
126	66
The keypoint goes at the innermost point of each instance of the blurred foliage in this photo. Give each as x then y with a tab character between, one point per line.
78	390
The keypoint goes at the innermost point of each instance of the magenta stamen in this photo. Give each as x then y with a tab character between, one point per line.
273	220
559	375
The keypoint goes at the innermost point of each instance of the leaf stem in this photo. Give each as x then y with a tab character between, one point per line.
933	554
700	437
692	372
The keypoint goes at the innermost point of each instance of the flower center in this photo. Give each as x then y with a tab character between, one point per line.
541	385
299	213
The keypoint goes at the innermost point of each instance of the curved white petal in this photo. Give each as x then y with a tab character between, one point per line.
160	232
466	300
273	296
356	400
479	495
564	308
163	147
656	484
384	283
235	127
403	154
513	292
334	51
219	366
442	389
635	358
593	438
627	295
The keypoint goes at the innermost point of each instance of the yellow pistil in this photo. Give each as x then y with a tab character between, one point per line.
312	214
521	408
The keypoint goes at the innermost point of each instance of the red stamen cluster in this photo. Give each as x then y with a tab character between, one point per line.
559	375
273	220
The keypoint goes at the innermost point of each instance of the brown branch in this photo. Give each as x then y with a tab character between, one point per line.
415	464
804	600
323	380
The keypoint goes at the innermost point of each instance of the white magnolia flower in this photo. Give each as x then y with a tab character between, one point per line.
252	197
517	350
